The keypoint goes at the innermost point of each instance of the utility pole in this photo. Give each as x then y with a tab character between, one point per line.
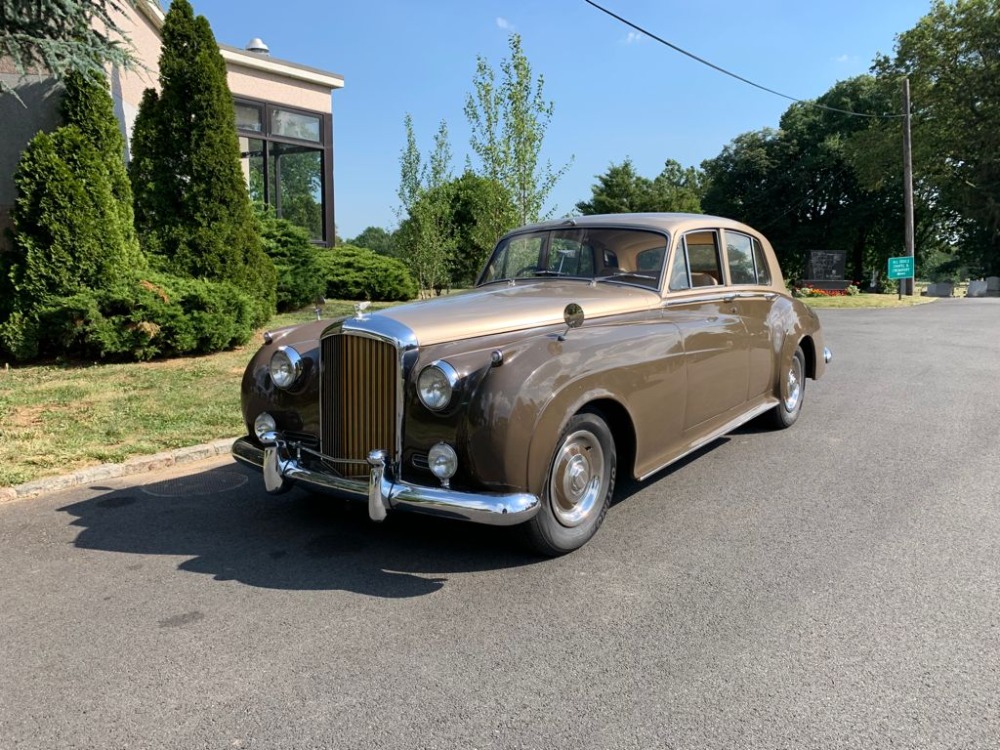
906	285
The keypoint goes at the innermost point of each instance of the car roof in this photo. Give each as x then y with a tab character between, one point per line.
664	222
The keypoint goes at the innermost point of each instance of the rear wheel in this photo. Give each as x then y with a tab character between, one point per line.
578	488
791	391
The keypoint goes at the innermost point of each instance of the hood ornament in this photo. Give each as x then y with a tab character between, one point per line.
359	309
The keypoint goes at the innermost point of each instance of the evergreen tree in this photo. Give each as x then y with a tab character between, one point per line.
192	207
73	231
88	105
61	36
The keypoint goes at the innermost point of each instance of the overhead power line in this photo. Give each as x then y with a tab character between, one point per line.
729	73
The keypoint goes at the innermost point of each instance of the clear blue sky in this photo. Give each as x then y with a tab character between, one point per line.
615	94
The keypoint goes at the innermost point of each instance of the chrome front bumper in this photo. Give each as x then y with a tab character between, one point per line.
384	493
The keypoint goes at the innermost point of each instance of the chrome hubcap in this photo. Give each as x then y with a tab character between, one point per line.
793	388
578	479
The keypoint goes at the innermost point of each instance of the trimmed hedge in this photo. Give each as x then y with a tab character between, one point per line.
356	273
157	316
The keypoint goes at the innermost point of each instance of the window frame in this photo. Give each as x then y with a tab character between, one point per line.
324	146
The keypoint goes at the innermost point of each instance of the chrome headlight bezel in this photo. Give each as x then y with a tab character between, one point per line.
285	367
437	385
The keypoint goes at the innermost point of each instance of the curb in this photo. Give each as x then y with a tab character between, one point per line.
137	465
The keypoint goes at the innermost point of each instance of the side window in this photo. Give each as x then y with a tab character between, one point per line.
760	262
740	253
705	264
679	272
650	260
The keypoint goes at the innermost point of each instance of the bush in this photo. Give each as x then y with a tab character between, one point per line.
297	262
156	316
356	273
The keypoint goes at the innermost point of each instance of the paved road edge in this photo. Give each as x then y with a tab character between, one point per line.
136	465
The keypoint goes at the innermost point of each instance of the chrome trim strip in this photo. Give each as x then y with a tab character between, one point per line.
478	507
723	294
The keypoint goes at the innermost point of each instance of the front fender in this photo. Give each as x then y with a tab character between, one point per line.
523	406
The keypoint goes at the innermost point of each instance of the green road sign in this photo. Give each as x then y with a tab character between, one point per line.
901	268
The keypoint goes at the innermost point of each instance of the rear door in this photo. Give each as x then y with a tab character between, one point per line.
748	272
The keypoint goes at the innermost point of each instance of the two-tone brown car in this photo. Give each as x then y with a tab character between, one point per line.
588	346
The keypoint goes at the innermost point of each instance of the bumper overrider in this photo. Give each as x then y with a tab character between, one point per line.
384	492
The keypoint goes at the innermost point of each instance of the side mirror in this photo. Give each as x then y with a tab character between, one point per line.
573	317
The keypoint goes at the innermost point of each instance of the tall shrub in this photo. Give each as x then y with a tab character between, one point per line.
72	235
296	260
192	208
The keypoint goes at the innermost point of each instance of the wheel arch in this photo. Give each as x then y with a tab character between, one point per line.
809	350
619	421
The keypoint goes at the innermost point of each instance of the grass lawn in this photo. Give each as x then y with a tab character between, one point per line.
58	418
866	300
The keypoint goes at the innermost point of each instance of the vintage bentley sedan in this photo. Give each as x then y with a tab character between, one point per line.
589	346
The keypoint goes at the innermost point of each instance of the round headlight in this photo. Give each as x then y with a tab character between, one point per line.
443	461
264	427
436	385
285	367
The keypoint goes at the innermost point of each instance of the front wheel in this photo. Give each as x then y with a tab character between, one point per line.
791	391
578	488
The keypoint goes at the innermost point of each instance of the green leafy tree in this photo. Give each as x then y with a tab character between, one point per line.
192	208
61	36
377	239
425	239
803	185
622	190
508	119
951	60
470	198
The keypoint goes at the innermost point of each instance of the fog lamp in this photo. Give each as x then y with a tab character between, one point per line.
443	461
265	428
285	367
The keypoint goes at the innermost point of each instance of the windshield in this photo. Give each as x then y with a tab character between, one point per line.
630	256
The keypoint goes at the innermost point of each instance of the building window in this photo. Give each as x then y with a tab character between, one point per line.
286	156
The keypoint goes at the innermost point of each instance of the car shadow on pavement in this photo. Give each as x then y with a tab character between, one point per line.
229	528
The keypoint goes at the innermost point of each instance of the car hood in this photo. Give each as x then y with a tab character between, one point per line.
500	308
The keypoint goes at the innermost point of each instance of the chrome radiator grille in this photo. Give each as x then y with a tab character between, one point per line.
358	400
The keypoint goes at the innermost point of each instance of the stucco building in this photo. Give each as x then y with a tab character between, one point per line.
284	119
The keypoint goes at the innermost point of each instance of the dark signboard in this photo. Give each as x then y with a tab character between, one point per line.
826	264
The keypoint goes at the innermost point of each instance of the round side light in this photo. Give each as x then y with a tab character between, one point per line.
443	461
265	428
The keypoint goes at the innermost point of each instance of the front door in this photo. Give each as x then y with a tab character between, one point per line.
712	330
